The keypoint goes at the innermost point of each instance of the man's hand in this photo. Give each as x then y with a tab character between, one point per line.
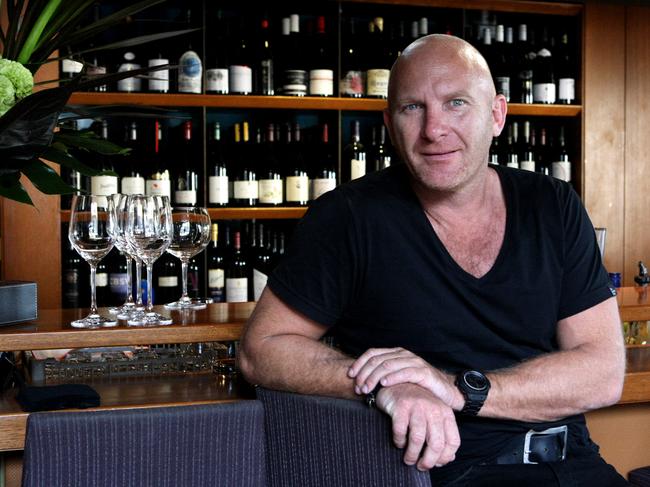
390	366
422	424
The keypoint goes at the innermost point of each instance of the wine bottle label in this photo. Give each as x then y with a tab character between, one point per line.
237	290
270	191
259	283
544	93
158	80
561	170
295	82
321	82
514	164
185	197
71	284
71	66
133	185
240	79
244	190
167	281
357	168
567	89
297	188
161	187
267	77
353	84
93	70
526	90
321	186
118	283
190	71
103	185
377	83
218	190
216	279
101	279
527	165
129	84
216	81
503	86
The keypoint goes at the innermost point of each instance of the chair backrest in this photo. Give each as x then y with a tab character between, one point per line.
322	441
185	446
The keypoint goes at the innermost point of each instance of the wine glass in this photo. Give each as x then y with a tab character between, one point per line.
191	236
90	234
117	204
148	232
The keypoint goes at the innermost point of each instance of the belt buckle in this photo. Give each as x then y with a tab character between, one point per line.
550	431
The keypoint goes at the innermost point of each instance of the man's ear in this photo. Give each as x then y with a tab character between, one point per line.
499	111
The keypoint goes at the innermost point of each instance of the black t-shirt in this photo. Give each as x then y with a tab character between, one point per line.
366	262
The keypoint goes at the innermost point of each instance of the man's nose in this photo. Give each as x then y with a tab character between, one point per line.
435	124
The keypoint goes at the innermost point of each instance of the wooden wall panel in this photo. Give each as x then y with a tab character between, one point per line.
637	140
604	125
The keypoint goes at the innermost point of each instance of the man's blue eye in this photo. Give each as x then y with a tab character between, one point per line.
411	106
457	102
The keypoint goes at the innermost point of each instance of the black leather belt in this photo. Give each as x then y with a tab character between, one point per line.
535	447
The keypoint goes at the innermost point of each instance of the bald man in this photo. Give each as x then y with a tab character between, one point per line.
469	299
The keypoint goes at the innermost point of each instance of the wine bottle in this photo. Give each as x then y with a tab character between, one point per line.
354	155
158	181
512	157
218	179
70	66
378	67
528	152
352	82
75	277
544	73
167	284
134	83
133	182
105	183
190	68
194	282
216	267
262	259
423	27
294	76
270	177
102	289
187	178
495	153
321	75
565	72
525	56
501	63
240	71
381	158
118	280
237	274
542	165
561	165
158	81
324	175
245	185
216	77
297	178
264	71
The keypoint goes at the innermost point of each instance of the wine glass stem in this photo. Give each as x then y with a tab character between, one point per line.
149	287
129	278
93	289
184	278
138	284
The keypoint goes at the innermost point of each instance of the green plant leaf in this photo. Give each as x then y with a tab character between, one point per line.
58	154
90	141
35	34
11	188
46	179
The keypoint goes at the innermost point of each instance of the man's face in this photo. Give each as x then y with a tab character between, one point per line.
442	117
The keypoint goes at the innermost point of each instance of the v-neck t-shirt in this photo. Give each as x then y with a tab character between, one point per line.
366	262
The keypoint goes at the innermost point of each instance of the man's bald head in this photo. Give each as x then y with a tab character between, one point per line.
440	49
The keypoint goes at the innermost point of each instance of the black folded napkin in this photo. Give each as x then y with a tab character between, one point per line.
63	396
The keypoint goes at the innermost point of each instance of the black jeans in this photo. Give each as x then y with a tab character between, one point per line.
583	467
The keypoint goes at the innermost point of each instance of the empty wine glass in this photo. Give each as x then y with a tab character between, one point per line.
117	204
191	236
148	233
90	234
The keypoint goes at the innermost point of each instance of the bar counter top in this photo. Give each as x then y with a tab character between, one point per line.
219	322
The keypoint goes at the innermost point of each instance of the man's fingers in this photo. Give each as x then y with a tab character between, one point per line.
417	435
365	356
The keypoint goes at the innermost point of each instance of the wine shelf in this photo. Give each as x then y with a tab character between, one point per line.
279	213
522	6
285	102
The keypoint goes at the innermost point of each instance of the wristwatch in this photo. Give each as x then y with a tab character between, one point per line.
474	386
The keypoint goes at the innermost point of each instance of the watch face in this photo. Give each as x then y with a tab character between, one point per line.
475	380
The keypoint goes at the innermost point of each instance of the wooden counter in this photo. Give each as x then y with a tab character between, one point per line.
219	322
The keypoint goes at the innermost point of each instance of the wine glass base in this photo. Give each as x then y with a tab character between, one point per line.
125	311
148	319
196	303
94	321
